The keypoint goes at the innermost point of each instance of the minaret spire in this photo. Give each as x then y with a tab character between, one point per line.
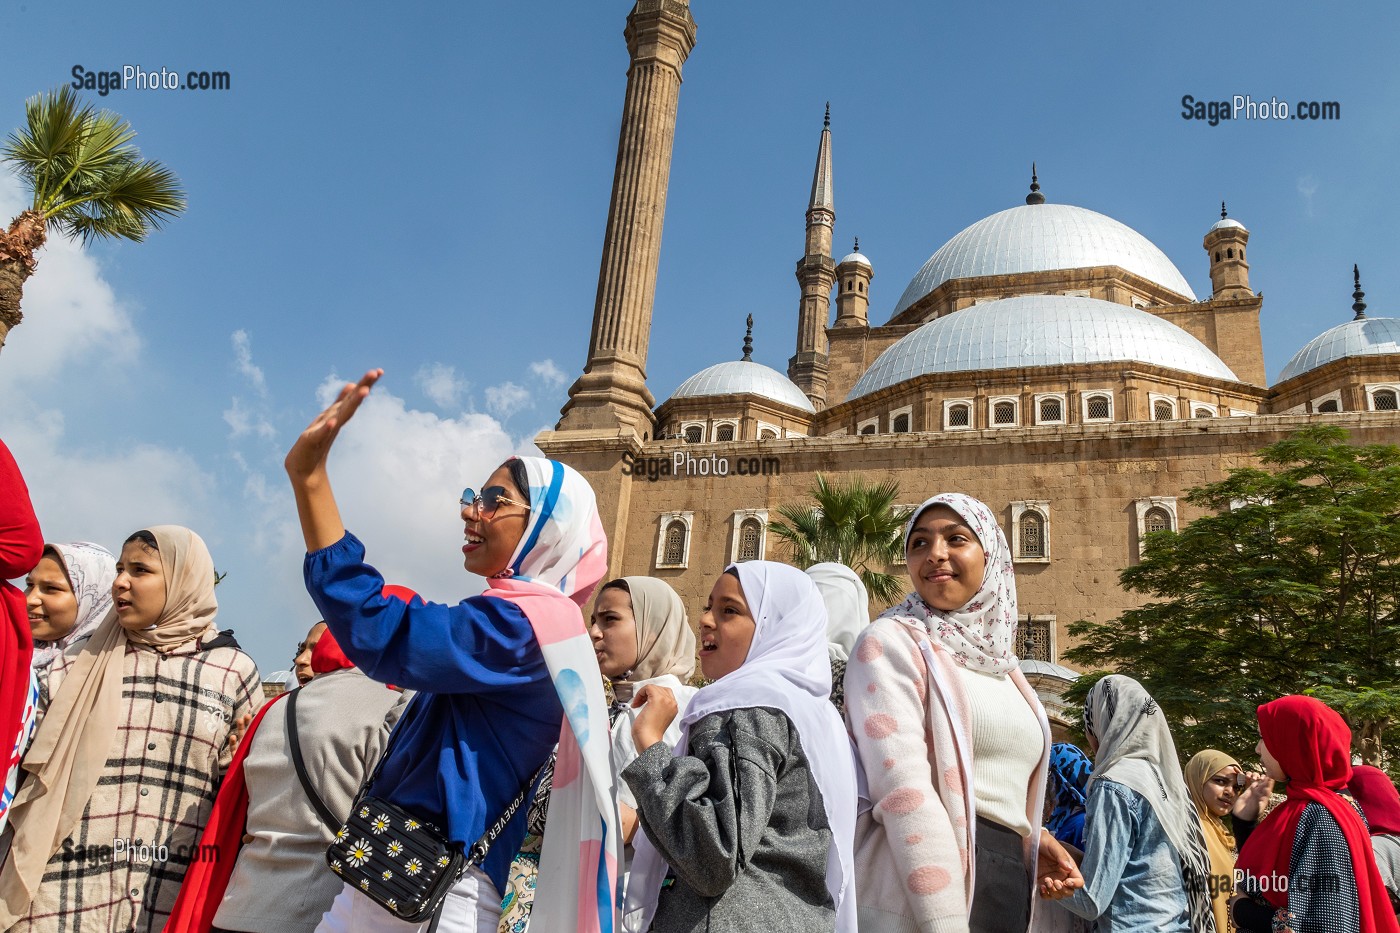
1358	305
1035	197
748	342
1223	215
612	393
816	273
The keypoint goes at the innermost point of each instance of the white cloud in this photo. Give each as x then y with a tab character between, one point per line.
243	359
1307	187
70	312
242	422
507	398
440	383
548	373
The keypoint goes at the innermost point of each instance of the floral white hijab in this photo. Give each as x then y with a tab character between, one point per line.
90	568
981	636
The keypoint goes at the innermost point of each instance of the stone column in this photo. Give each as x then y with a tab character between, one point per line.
612	391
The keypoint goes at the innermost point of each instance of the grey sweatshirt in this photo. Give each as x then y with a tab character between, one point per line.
741	823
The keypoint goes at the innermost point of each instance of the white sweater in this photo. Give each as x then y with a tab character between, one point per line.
1006	748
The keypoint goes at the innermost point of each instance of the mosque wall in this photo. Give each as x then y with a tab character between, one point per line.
1344	381
1229	327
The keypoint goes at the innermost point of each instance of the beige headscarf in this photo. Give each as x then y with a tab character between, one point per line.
665	642
1220	842
71	747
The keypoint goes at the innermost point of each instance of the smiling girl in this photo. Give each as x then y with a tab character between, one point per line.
754	813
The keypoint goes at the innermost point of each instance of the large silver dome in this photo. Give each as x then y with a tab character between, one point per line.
1371	336
744	376
1041	238
1039	330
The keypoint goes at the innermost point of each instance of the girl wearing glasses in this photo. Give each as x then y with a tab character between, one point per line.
496	676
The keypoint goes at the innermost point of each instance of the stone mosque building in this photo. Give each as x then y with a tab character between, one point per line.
1048	360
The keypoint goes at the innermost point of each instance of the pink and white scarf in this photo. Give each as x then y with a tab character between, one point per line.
561	557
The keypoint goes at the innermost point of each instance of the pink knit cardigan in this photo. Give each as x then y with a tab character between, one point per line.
914	870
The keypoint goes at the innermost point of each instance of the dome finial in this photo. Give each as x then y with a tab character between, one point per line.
748	342
1223	215
856	249
1357	304
1035	197
826	121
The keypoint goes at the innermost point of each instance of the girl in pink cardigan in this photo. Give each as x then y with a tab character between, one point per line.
954	742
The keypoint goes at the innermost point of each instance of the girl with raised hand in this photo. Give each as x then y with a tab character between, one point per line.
754	812
1308	867
954	741
501	678
140	724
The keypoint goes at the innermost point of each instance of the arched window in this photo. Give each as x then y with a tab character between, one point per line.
1384	400
675	543
1162	410
868	429
1032	536
724	432
1329	406
1052	409
1098	408
1241	254
901	423
1217	255
749	533
694	434
1230	253
959	416
860	287
1157	519
767	434
1004	413
1202	413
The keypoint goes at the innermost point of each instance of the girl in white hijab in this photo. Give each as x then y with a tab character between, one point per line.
87	570
761	749
847	612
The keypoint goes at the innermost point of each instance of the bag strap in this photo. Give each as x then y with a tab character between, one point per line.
476	853
317	804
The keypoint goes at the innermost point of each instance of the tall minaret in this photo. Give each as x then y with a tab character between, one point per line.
612	392
816	273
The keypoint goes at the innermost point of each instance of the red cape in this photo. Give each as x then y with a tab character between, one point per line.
21	546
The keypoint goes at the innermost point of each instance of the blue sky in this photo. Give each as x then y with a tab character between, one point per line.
424	187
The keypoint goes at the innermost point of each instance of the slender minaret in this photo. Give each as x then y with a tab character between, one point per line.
1224	243
612	392
816	273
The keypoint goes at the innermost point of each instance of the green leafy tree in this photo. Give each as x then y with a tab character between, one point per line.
1289	584
85	179
856	524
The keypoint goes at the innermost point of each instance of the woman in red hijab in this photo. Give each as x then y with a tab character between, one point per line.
21	546
1308	867
1380	802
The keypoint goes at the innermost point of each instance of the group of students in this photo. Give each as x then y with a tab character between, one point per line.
832	773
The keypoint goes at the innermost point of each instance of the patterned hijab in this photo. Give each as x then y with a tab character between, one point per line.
1072	772
981	636
847	606
665	641
90	568
1137	751
70	749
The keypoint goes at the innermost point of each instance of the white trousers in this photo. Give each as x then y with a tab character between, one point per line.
472	906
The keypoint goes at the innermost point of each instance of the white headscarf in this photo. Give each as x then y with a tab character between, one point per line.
981	636
1137	751
847	606
90	568
787	669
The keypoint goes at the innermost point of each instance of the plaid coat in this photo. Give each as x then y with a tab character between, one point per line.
121	868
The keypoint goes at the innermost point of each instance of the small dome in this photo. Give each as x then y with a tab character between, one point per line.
1039	330
1042	238
738	376
1224	222
856	257
1371	336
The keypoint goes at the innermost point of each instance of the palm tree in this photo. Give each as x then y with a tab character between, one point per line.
857	525
86	179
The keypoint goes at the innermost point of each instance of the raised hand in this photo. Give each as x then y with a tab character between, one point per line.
1256	794
308	455
658	711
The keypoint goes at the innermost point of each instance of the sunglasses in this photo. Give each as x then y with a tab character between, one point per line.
488	500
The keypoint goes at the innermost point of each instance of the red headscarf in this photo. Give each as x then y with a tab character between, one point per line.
1313	746
1379	800
327	656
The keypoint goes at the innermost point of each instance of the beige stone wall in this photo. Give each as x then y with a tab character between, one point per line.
1347	376
1092	476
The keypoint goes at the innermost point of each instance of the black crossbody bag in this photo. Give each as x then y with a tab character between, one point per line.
401	862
